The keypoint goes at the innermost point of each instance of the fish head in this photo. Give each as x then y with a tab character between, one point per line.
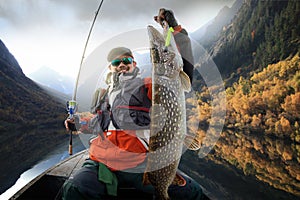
167	59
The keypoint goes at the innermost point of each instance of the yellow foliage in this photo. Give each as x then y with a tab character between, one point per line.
283	126
256	121
292	105
257	145
287	155
262	131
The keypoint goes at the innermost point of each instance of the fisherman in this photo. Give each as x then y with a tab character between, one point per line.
117	156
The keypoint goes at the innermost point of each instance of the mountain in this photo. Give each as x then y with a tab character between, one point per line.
209	32
261	134
52	79
61	97
30	123
257	55
262	32
21	98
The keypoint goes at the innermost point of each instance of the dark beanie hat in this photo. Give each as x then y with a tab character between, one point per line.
118	51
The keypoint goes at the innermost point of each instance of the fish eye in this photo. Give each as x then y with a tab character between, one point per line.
165	50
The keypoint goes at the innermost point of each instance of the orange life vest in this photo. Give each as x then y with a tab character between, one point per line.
119	150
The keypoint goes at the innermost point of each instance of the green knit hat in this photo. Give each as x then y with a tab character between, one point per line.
118	51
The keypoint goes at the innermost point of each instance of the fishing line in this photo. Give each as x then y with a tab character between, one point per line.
72	104
84	50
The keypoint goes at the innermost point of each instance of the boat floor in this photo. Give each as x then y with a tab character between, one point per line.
49	184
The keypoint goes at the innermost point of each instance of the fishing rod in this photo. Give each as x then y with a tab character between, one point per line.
72	105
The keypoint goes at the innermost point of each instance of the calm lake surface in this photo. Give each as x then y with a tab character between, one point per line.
54	157
224	182
220	181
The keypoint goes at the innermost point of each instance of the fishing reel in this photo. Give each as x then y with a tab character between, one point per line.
71	107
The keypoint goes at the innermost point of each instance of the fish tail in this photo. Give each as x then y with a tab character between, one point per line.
185	81
192	143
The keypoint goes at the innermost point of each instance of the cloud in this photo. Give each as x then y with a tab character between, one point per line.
25	14
56	30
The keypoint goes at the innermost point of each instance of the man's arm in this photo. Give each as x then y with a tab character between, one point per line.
182	40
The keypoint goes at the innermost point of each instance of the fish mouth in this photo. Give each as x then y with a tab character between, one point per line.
151	31
155	37
161	54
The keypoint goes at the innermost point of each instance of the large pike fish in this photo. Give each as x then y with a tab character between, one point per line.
168	120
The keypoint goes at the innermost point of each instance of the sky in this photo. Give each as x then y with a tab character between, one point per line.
53	33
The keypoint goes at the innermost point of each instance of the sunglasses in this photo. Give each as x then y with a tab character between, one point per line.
125	61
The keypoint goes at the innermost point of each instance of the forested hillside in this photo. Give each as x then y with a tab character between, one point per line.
31	122
263	32
261	135
22	102
258	57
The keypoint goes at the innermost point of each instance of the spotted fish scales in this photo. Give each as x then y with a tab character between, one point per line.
168	126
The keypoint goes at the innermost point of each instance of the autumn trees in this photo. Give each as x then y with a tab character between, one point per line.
261	133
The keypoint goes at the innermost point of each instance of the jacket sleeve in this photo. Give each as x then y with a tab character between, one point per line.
97	100
183	43
148	85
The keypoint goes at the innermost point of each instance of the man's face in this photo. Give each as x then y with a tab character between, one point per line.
122	64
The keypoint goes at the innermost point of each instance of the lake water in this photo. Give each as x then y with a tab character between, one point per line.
54	157
225	182
222	182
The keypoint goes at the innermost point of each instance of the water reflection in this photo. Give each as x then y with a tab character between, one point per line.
222	182
50	160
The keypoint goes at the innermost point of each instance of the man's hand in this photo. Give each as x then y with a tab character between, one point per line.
66	123
70	124
166	16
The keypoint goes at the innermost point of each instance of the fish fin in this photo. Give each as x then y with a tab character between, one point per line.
146	180
185	81
179	180
192	143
